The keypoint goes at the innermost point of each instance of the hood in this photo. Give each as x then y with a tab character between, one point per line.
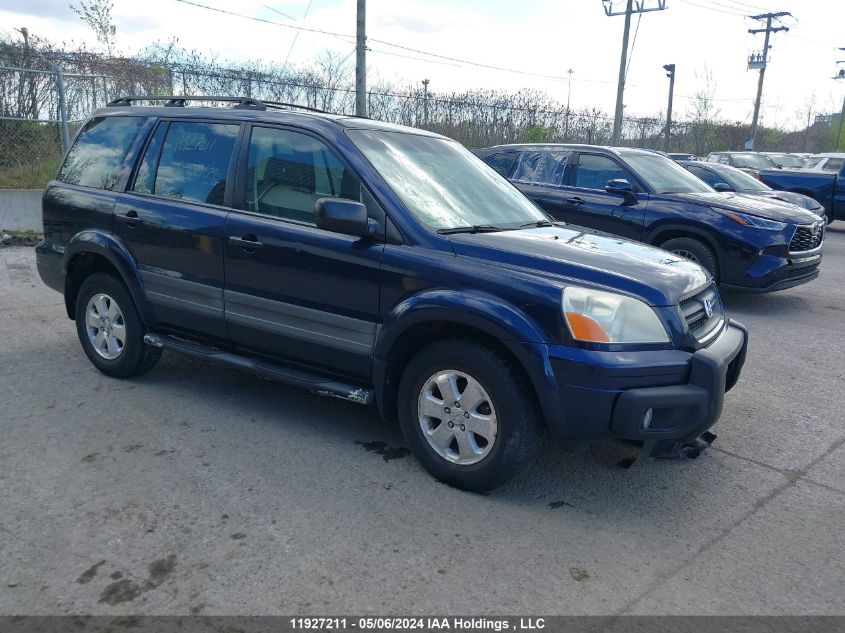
761	207
789	197
581	255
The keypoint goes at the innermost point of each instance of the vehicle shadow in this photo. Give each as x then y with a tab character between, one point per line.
596	478
773	304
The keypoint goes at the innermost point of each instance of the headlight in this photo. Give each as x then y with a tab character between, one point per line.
606	317
753	220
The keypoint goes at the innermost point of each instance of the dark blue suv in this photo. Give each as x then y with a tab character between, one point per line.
747	244
372	262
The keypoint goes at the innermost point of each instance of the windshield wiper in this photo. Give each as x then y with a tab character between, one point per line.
475	228
538	224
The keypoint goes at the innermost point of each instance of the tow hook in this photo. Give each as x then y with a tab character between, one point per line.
691	449
666	449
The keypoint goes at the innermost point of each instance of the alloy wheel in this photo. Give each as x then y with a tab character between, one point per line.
105	326
457	417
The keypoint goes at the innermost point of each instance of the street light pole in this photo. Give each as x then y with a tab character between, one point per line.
670	73
568	93
840	75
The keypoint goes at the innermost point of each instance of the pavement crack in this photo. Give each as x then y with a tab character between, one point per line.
789	482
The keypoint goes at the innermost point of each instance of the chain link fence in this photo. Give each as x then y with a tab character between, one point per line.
36	101
39	113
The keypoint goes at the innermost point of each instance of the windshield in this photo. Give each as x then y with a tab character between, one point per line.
787	160
663	175
755	161
738	179
443	184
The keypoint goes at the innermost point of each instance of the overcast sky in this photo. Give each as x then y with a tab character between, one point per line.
546	37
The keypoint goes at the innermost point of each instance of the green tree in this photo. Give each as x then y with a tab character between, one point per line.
537	134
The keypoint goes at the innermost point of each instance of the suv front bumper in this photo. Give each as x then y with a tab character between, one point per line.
683	412
607	394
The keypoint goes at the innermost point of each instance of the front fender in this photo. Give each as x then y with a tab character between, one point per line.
112	249
485	313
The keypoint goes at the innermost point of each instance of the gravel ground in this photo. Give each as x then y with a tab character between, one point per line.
197	489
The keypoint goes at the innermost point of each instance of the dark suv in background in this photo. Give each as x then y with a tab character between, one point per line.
753	245
726	178
751	162
373	262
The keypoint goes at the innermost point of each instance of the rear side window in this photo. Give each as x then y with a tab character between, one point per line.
594	172
502	162
706	175
832	164
191	163
543	167
96	158
288	172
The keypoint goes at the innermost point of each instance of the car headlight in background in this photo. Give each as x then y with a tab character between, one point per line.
606	317
753	220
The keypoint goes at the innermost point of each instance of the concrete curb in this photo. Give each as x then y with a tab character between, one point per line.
20	210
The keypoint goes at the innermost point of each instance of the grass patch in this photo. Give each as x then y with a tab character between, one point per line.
33	175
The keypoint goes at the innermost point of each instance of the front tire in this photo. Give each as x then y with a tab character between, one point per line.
467	415
111	330
695	251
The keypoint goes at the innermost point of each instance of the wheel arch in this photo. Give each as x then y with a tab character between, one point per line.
471	316
90	252
669	232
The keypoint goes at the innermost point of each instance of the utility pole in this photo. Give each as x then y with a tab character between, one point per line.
568	93
361	61
840	75
670	73
425	102
761	61
631	7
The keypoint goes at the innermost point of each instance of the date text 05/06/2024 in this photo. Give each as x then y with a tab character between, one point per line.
419	623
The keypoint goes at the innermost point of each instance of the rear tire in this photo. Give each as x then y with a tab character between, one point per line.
694	250
481	432
111	330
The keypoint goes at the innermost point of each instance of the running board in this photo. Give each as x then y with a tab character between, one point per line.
320	385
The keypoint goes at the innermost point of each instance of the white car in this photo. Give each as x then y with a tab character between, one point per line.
825	162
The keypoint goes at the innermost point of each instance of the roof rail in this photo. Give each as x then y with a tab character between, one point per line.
179	101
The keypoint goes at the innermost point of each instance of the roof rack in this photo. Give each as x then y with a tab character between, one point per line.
180	101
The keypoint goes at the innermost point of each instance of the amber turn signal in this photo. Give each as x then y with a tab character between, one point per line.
586	329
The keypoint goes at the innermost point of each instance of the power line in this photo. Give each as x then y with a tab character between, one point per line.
264	20
712	8
633	45
347	38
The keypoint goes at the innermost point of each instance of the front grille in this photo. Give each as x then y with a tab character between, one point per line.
695	308
807	237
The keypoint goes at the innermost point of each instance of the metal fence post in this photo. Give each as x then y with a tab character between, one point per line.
60	87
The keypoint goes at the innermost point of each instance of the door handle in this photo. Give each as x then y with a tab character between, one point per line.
248	243
574	200
131	218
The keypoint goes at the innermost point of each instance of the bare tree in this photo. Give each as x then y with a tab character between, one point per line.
97	15
805	117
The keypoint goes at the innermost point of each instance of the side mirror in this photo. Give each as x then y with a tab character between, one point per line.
722	186
339	215
623	188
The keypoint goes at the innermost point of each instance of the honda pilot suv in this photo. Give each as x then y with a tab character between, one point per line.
378	263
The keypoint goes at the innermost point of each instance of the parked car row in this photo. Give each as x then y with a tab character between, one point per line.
726	178
746	242
384	264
